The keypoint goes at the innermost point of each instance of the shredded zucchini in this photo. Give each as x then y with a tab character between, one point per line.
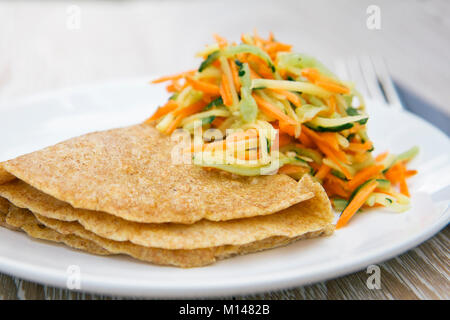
247	105
298	86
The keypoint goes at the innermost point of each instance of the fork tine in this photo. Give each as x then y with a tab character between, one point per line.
371	79
340	69
357	76
385	79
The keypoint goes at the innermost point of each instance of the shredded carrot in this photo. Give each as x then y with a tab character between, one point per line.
242	135
403	186
249	155
333	87
205	87
327	147
277	47
244	39
381	156
338	154
210	79
356	203
254	74
313	165
394	173
356	127
360	147
216	145
291	169
174	86
206	98
232	138
173	77
410	173
174	124
283	139
272	48
235	74
258	40
311	74
323	171
168	107
287	128
305	140
283	74
333	188
222	144
314	76
272	111
261	66
217	121
364	175
226	91
331	139
315	136
331	103
360	157
333	157
191	109
222	42
333	179
389	193
291	97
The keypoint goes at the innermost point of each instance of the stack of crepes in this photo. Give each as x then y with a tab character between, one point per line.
118	192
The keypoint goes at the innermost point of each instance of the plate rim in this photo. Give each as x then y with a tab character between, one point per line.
104	285
259	283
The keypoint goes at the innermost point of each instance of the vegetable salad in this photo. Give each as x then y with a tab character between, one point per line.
285	111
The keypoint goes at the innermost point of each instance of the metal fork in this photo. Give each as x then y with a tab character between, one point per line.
372	79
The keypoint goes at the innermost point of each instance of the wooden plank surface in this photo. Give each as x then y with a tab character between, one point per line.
421	273
39	50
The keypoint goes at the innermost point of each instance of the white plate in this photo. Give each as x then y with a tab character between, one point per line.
371	237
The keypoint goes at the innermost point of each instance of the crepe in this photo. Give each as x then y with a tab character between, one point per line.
308	216
21	219
128	173
4	208
4	205
74	235
118	192
5	176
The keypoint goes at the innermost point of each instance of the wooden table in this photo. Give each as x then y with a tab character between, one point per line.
42	47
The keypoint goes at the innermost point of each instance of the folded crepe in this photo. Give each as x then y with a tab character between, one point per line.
20	219
74	235
117	192
128	173
4	208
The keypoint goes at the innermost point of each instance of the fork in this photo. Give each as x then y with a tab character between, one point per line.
372	77
373	80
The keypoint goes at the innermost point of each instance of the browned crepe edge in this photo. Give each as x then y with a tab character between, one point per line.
308	216
18	219
72	233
